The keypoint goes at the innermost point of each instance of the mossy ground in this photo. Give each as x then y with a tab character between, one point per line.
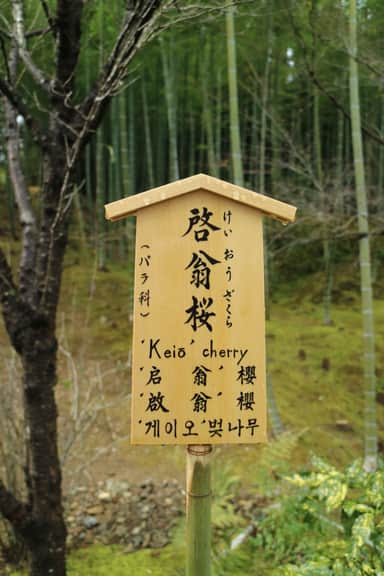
113	561
315	369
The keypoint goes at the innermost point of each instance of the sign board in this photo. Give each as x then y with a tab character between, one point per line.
198	374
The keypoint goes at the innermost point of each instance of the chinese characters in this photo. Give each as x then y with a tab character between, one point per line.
144	265
199	374
201	311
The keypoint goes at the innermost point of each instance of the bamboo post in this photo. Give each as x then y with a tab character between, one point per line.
199	497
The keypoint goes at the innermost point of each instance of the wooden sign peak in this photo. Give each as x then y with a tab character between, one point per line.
265	204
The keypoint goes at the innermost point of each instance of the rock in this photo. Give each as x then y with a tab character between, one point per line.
90	522
326	364
104	496
120	531
95	510
146	539
137	542
136	515
344	426
159	540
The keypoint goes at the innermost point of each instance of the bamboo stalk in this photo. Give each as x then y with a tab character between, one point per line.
236	154
207	110
370	452
199	497
170	97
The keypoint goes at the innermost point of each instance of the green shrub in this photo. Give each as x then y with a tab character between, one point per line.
332	524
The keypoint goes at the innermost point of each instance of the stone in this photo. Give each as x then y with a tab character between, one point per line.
95	510
120	531
90	522
104	496
136	515
344	426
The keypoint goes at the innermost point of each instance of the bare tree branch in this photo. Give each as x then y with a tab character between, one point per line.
7	24
48	16
26	214
7	284
19	36
38	135
5	57
13	307
68	26
15	511
137	27
315	79
38	32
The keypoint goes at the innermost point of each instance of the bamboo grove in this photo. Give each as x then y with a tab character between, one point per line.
176	115
258	93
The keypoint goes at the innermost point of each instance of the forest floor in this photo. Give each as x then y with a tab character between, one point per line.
315	371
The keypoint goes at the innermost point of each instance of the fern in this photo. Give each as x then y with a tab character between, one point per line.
275	460
225	485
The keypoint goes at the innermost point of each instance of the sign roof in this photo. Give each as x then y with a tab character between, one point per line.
269	206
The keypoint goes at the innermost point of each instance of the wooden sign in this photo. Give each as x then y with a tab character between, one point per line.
199	332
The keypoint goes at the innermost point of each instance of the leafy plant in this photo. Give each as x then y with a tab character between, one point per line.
289	529
331	525
276	460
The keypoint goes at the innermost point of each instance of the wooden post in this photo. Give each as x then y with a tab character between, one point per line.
195	319
199	509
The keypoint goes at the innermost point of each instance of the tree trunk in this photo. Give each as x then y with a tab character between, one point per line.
48	535
170	96
218	119
207	109
370	452
148	136
31	327
380	176
236	156
100	199
29	308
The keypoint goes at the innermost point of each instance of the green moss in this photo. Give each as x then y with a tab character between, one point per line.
114	561
316	370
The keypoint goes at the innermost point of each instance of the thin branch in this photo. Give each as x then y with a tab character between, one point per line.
7	285
26	214
38	32
38	135
50	19
19	36
16	512
367	131
5	34
12	305
5	58
328	40
137	28
7	24
68	29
